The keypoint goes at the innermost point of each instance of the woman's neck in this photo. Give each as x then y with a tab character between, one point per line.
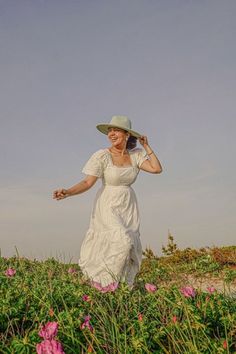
118	150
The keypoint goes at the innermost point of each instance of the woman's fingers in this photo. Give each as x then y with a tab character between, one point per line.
59	194
143	140
55	194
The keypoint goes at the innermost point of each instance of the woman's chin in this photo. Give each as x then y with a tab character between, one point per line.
116	144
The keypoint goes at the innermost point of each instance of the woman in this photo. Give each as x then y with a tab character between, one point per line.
112	251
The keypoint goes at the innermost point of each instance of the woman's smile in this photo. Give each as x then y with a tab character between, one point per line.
116	136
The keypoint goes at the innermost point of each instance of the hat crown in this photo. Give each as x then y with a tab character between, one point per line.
121	121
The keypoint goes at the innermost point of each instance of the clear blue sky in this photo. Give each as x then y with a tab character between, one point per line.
66	66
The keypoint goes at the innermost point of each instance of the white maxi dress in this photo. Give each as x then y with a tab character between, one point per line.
111	250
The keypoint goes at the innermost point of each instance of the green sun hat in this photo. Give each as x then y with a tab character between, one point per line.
121	122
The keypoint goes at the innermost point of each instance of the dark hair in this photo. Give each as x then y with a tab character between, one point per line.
131	142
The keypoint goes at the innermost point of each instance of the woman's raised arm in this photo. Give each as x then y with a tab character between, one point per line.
151	165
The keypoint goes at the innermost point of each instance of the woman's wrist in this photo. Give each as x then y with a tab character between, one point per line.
148	150
150	153
66	192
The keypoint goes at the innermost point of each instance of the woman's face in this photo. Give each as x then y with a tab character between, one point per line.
117	136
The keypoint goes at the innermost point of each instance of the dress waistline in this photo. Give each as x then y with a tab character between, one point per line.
115	186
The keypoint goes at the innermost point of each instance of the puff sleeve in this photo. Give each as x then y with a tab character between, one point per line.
140	157
95	165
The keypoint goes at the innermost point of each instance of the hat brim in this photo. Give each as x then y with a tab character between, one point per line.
103	128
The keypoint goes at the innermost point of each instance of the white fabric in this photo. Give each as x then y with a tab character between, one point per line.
111	250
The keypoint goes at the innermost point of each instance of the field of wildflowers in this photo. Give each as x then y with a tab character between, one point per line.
47	307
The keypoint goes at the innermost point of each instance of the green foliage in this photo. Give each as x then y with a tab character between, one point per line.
148	253
126	321
171	247
224	255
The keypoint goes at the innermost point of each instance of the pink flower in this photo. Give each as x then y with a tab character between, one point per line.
86	298
10	272
51	312
151	288
97	285
113	286
174	319
87	323
104	289
90	349
188	291
140	317
211	289
225	345
49	331
49	347
71	270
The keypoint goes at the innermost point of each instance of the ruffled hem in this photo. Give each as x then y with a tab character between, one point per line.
110	256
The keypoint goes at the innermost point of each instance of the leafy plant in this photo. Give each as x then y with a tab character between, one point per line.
163	313
171	246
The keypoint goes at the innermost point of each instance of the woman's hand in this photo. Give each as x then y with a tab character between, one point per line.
143	141
60	194
78	188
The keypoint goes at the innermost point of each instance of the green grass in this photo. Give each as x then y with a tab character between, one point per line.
124	321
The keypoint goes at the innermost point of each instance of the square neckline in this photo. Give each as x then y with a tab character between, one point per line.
112	163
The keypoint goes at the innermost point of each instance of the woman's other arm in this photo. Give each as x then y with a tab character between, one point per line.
151	165
78	188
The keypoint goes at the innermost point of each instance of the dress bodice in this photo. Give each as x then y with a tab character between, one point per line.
119	175
101	165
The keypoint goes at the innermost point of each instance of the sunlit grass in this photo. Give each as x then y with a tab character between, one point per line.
162	320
